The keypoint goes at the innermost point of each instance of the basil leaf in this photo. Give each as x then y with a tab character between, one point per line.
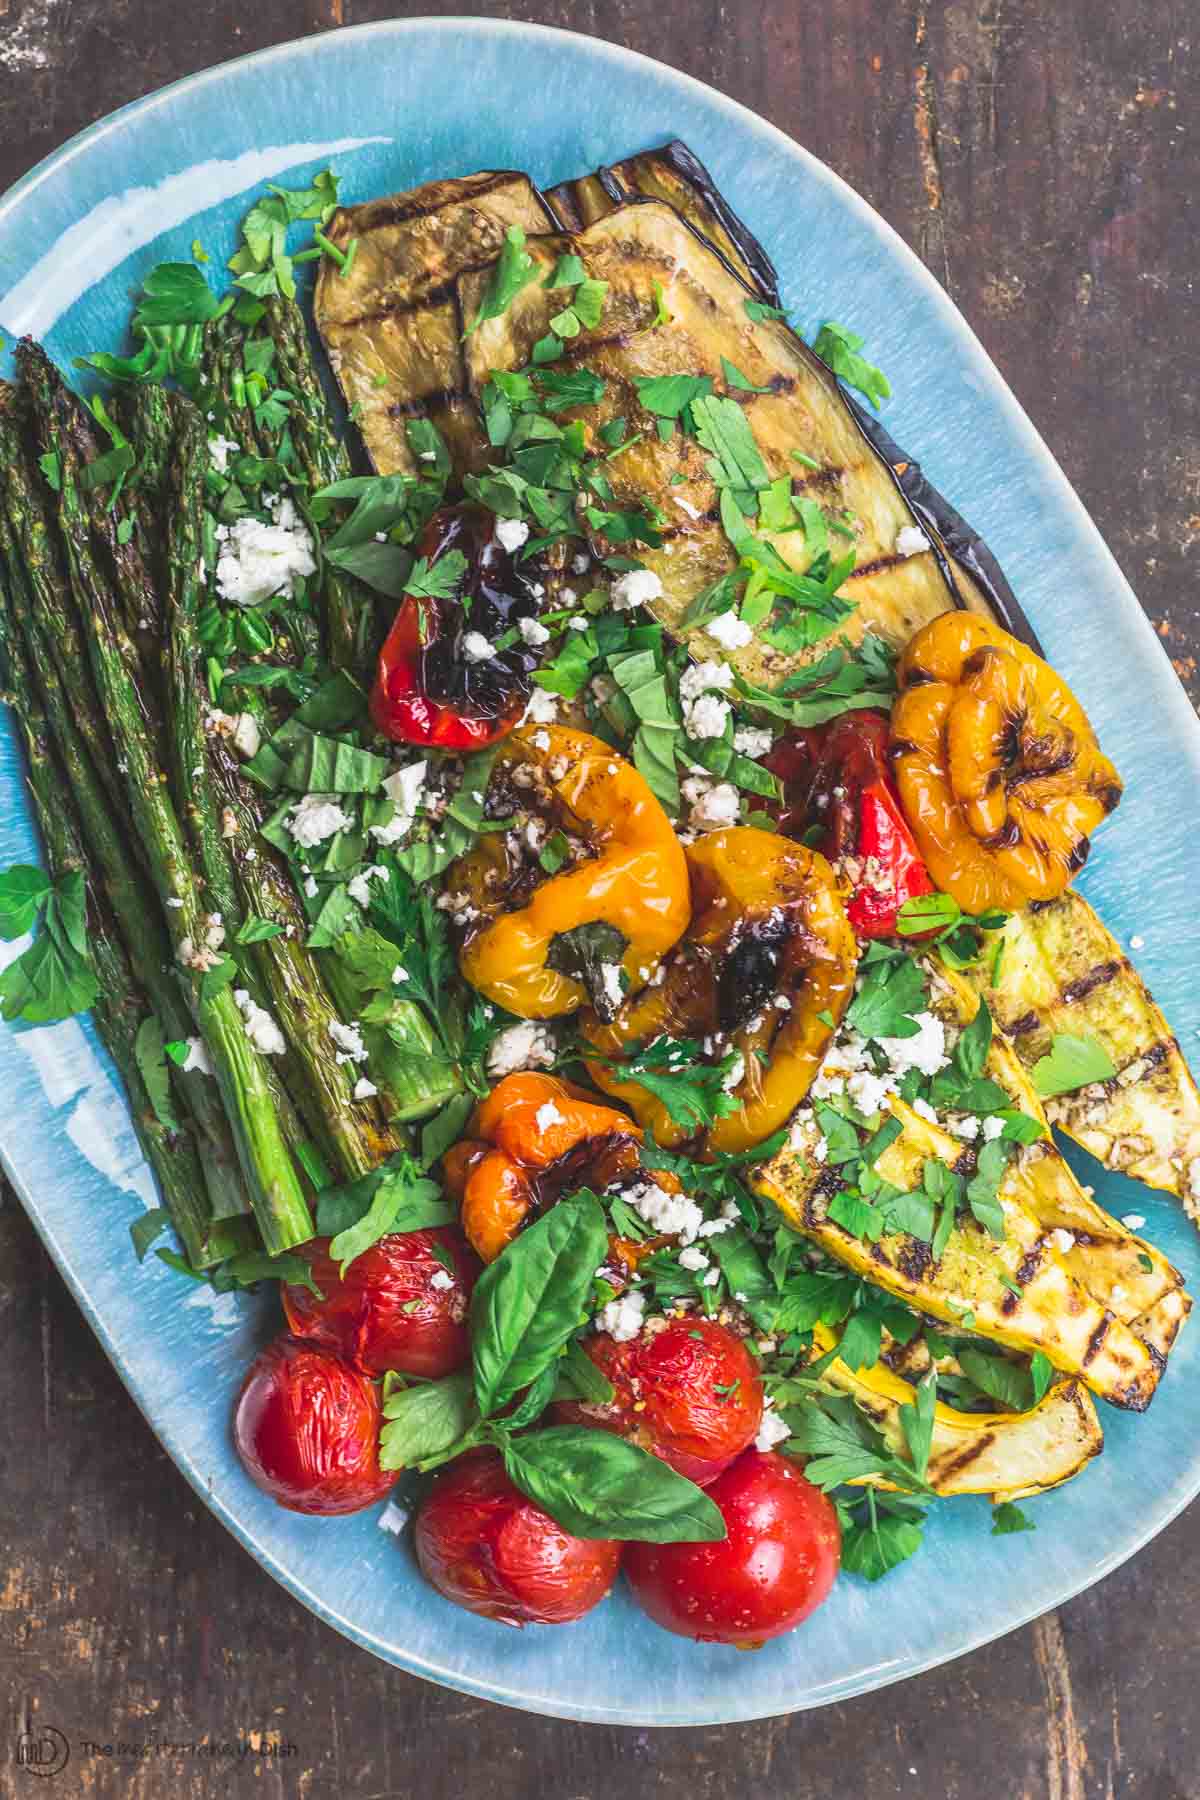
150	1055
1069	1064
257	931
577	1377
384	567
597	1485
323	765
445	1128
916	1420
23	891
529	1301
146	1230
426	1420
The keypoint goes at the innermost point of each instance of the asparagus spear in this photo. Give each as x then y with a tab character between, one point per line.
121	1005
354	1130
275	1190
125	887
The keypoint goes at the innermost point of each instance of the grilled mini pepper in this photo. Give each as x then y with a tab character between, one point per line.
428	690
766	970
836	780
998	769
591	912
534	1139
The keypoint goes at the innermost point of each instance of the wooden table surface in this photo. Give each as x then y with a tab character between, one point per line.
1042	156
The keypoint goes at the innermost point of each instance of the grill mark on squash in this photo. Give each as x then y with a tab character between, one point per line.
1097	1339
1095	977
1026	1270
962	1459
1027	1022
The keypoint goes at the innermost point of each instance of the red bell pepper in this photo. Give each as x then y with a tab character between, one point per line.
836	783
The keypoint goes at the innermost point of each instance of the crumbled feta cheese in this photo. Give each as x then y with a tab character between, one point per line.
967	1127
610	981
348	1038
220	449
542	708
737	1073
317	817
403	789
258	560
710	1277
752	740
923	1110
715	807
772	1430
399	974
910	541
173	903
703	678
925	1051
676	1215
1136	942
541	740
528	1045
511	534
693	1258
706	717
441	1279
730	632
581	564
578	623
476	647
247	738
547	1115
1062	1240
261	1028
196	1058
637	587
533	632
358	886
992	1128
310	886
1133	1221
623	1317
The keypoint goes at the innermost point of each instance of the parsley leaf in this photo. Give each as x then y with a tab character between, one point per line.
512	271
54	978
667	396
1008	1518
892	991
439	580
674	1071
723	428
838	347
1069	1064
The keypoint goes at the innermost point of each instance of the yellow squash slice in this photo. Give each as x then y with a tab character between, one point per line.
1016	1290
1007	1455
1061	971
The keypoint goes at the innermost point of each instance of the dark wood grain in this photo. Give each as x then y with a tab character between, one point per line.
1042	156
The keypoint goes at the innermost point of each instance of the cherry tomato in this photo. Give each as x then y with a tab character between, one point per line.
306	1427
836	778
427	690
774	1568
485	1546
398	1306
688	1392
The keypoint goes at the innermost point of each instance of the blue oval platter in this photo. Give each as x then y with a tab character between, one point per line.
388	106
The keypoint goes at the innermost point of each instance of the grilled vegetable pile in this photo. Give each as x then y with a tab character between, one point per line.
575	873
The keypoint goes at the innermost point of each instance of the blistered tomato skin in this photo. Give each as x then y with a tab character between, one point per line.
306	1427
398	1306
482	1544
775	1566
689	1393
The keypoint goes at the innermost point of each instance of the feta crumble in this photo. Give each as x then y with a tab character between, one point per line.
511	534
533	632
712	807
197	1061
623	1317
610	981
261	1028
364	1089
404	790
1133	1221
317	817
772	1429
528	1045
637	587
675	1215
910	541
752	740
348	1038
547	1115
441	1279
542	708
358	886
476	648
706	717
730	632
703	678
258	560
220	449
693	1258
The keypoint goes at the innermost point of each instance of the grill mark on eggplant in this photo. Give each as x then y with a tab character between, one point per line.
436	295
437	400
1095	977
876	566
395	210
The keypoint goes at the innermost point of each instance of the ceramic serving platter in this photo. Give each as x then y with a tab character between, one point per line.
388	106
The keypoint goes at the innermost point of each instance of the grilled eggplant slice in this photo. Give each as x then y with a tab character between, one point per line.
391	326
1123	1272
1061	971
1017	1290
1010	1456
802	408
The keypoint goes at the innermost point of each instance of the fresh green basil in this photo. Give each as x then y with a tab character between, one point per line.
597	1485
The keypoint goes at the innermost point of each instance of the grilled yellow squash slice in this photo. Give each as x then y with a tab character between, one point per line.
1016	1291
802	408
1130	1277
1061	971
1007	1455
391	326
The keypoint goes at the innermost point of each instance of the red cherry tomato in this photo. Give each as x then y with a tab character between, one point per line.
482	1544
397	1307
774	1568
689	1393
836	778
427	691
306	1427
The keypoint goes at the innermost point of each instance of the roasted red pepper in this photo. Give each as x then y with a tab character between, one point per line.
836	781
427	690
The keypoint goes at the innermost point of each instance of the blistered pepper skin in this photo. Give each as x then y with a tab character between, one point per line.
635	879
998	769
533	1139
768	923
